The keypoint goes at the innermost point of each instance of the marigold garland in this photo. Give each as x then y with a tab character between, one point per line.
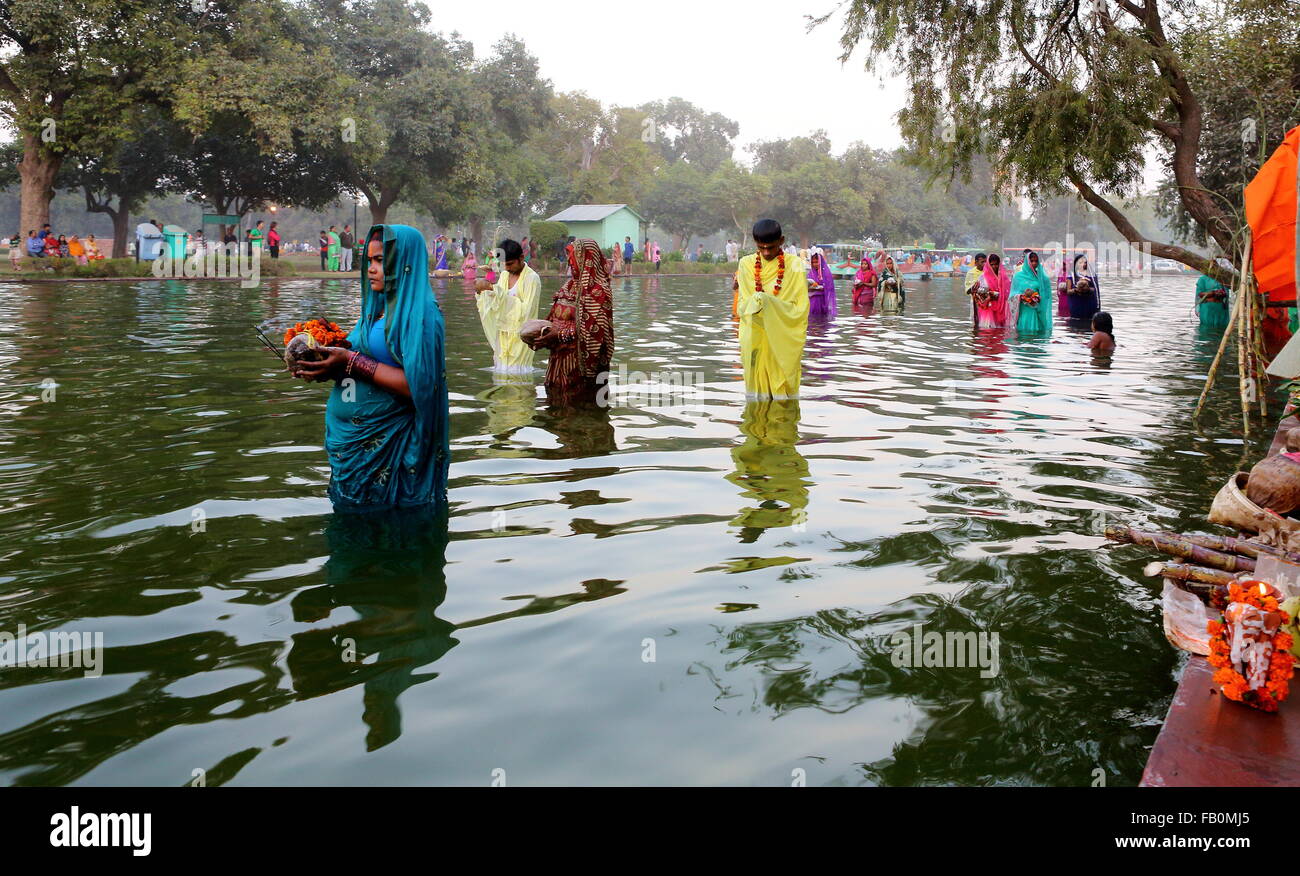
780	273
326	333
1281	664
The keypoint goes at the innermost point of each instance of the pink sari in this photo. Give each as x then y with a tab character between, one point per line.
996	314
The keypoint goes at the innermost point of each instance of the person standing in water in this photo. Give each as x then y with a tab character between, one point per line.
972	284
772	301
503	309
386	422
1211	302
1032	290
579	330
993	295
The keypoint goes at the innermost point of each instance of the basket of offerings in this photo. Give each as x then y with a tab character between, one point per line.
1083	287
303	340
1030	298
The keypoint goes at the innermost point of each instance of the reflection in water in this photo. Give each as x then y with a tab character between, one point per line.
388	567
930	475
770	469
510	404
582	428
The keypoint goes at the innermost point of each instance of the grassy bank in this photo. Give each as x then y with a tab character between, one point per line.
305	266
105	269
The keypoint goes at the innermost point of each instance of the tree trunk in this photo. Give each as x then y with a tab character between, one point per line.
121	221
36	171
476	234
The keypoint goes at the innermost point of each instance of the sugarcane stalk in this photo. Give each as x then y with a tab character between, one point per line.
1179	546
1218	357
1187	578
1179	572
1243	340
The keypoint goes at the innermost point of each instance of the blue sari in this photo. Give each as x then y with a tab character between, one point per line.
1033	318
386	451
440	256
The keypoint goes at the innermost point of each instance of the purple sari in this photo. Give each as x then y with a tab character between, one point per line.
822	302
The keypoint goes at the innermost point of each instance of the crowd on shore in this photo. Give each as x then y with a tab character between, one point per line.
45	244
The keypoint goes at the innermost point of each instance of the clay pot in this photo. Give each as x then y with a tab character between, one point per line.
1275	484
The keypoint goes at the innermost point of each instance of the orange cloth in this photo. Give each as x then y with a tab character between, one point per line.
1270	210
75	248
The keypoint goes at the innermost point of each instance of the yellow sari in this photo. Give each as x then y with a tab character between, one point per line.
503	311
772	328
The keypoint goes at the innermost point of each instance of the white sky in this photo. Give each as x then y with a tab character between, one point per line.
751	61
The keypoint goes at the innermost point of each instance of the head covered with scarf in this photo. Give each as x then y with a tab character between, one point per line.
589	288
386	451
865	271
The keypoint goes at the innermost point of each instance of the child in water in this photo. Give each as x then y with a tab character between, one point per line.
1103	338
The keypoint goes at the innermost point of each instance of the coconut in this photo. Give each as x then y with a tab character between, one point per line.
534	329
1274	484
302	348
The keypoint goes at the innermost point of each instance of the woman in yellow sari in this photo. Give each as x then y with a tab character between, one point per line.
504	307
772	300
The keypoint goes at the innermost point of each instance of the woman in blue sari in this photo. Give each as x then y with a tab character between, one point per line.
1211	302
386	420
1032	290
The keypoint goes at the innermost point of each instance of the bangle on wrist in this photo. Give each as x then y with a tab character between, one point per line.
365	367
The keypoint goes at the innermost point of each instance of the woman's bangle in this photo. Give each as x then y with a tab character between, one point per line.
351	358
365	367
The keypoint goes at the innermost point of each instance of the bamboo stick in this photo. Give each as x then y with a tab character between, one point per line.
1214	366
1179	546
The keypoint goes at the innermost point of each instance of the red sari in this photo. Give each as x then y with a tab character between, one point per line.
582	317
864	283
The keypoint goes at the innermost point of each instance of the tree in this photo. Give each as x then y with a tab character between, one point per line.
417	120
1059	93
738	193
512	177
1247	114
70	77
678	201
121	176
810	194
684	132
226	168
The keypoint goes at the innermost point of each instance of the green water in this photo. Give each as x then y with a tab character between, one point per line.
647	595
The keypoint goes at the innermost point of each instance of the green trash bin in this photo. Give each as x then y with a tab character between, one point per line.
176	240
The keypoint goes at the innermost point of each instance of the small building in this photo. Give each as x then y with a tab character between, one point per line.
606	224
